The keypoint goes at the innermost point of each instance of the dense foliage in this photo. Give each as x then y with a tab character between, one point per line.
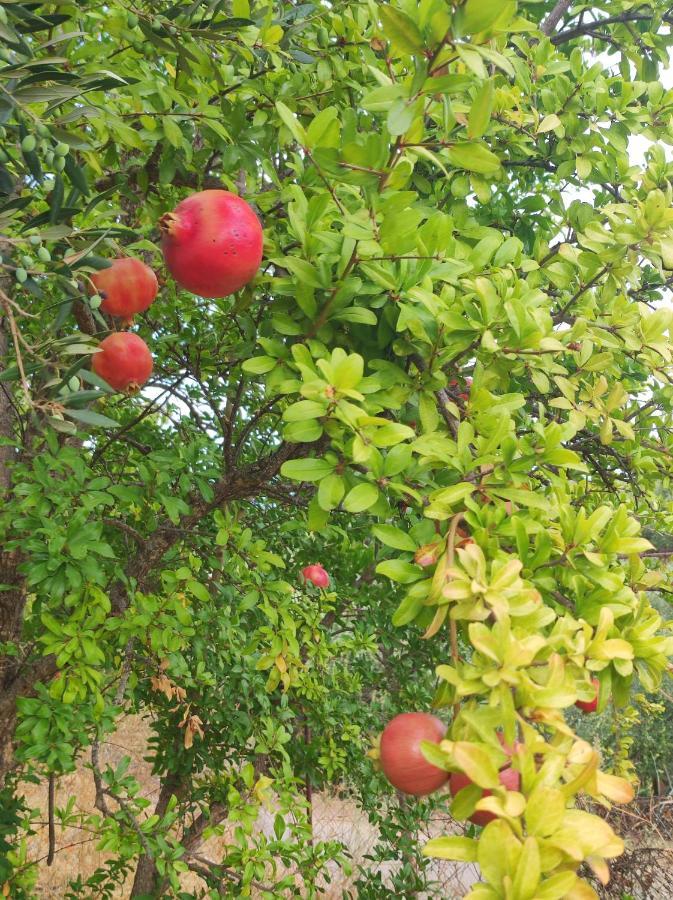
450	383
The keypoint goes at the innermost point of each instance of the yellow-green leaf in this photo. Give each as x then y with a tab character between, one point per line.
480	112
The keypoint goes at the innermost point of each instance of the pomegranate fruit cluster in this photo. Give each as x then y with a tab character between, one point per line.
212	246
406	768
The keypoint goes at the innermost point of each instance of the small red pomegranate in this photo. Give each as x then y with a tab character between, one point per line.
124	361
509	778
212	243
316	575
590	706
127	287
402	761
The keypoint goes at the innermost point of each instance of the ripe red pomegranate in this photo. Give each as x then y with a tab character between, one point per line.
590	706
212	243
124	361
509	778
402	761
127	287
316	575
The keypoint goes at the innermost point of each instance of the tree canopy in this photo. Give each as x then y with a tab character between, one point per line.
449	383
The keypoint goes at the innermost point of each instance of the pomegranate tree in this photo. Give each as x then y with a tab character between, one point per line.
127	287
402	760
123	360
212	243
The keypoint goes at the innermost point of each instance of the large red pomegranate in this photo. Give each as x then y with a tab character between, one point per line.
316	575
402	761
509	778
123	360
590	706
127	287
212	243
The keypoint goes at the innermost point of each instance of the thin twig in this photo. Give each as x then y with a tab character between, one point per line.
50	817
17	350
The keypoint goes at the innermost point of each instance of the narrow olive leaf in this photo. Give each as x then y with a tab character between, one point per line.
401	31
90	418
480	112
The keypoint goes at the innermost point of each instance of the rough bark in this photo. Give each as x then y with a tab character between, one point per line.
146	881
550	24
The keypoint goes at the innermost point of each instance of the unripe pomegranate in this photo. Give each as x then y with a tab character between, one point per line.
402	761
428	554
590	706
509	778
212	243
316	575
124	361
127	287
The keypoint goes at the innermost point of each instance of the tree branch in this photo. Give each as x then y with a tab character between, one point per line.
572	33
549	25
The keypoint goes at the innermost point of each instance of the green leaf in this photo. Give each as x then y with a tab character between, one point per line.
306	469
357	314
198	590
361	497
331	491
474	157
400	116
389	435
549	123
400	571
303	410
324	129
394	537
451	495
302	432
293	124
407	611
401	30
259	365
90	418
172	131
303	269
476	16
523	498
480	112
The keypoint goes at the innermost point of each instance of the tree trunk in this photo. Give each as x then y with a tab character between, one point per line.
146	881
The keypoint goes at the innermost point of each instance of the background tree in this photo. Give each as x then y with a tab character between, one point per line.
457	325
